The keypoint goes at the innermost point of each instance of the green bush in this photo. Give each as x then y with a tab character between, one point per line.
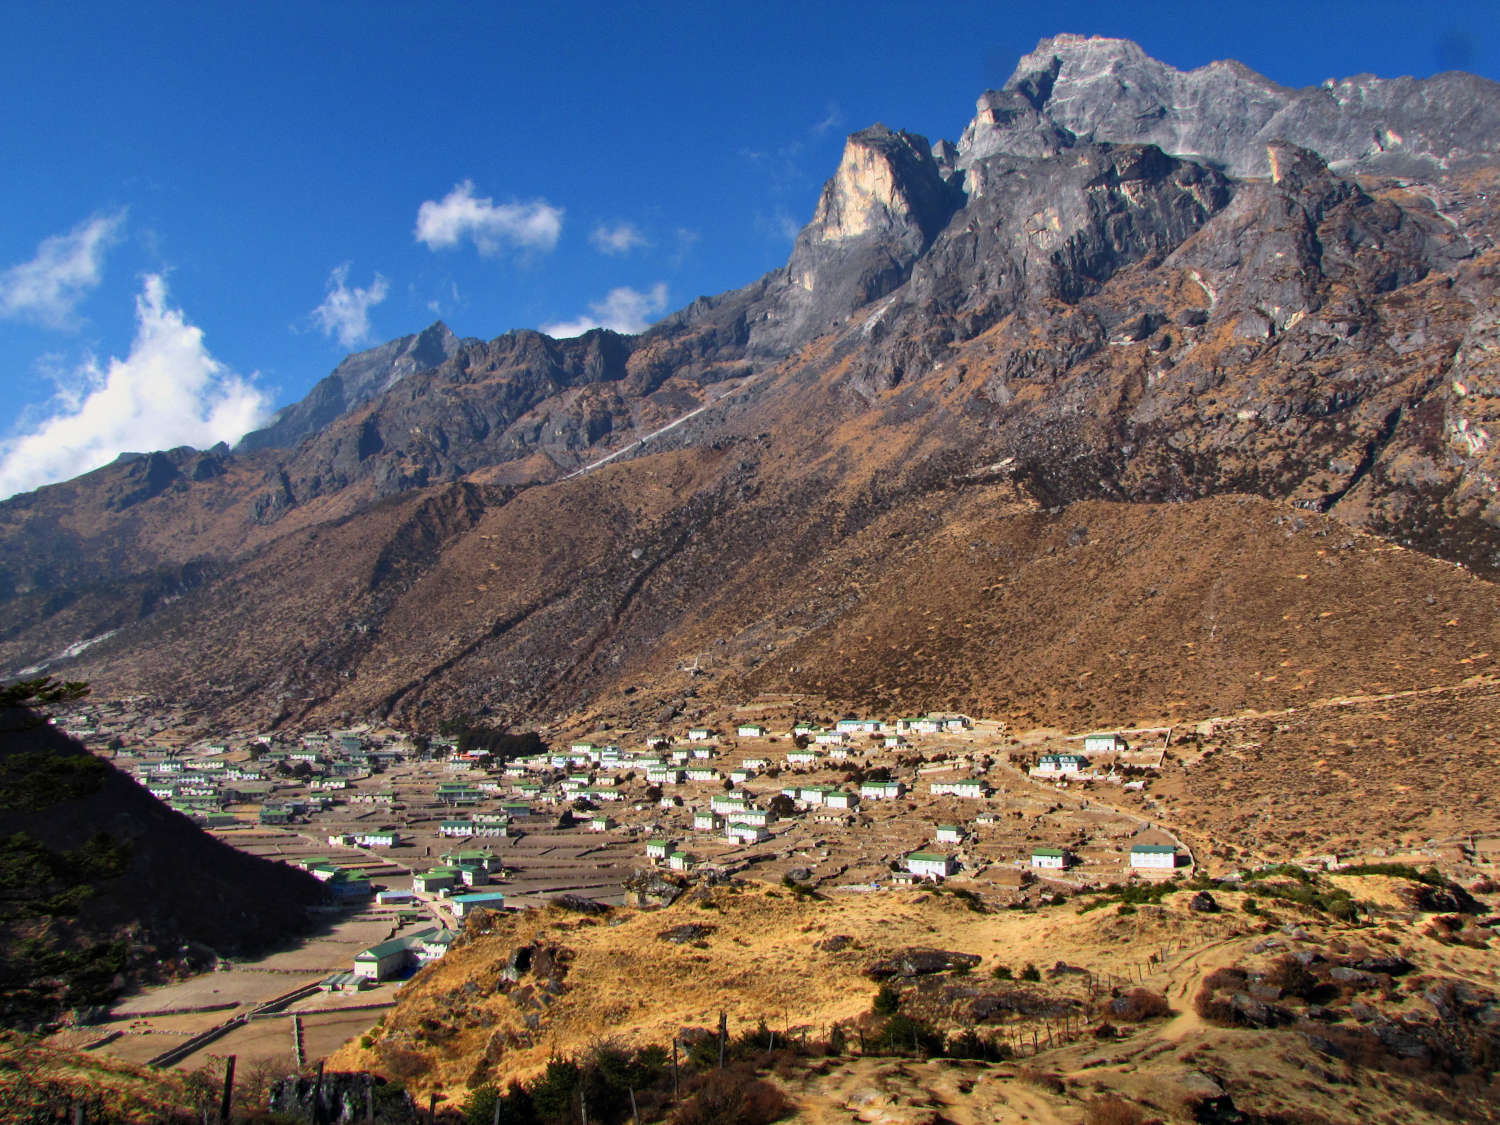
39	779
906	1035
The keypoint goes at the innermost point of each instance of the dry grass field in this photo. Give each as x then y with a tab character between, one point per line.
763	954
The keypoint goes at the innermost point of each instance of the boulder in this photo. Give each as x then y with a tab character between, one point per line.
920	962
686	934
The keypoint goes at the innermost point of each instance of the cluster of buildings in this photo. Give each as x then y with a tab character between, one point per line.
288	781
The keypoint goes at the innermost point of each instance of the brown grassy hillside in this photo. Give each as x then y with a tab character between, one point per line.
763	955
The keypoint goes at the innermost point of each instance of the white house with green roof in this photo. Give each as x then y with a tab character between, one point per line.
747	815
1051	765
1153	856
970	788
747	833
434	881
1054	858
949	834
474	857
464	905
389	958
931	865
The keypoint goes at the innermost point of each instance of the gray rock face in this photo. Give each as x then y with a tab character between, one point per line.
920	962
357	380
1098	89
880	211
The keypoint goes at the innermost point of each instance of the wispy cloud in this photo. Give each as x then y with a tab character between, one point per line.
345	312
780	225
685	240
168	391
621	238
66	268
492	226
623	310
832	118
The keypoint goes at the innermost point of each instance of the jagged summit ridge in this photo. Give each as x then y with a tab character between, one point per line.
1089	88
358	379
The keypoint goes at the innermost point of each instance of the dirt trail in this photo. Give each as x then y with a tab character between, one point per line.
885	1092
1187	977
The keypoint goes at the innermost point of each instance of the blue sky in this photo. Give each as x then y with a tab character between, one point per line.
208	205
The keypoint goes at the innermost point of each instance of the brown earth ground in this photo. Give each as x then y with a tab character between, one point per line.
767	958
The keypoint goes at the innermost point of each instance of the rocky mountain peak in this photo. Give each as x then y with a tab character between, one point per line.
1094	89
882	208
886	182
357	380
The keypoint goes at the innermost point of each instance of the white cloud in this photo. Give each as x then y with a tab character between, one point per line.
832	118
492	226
621	238
623	310
168	391
345	312
66	268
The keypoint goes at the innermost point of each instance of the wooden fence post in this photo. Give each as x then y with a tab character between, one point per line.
224	1102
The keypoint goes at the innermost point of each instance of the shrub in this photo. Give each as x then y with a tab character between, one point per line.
1041	1079
733	1097
402	1063
1139	1005
838	1040
514	1106
1002	972
887	1001
1112	1110
969	1044
901	1035
1031	972
554	1092
1292	977
1213	1008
